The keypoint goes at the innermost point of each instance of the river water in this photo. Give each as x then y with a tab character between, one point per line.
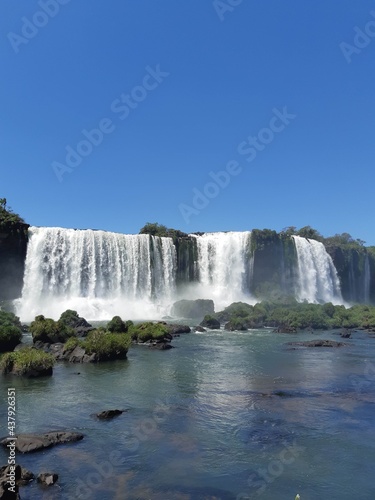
221	416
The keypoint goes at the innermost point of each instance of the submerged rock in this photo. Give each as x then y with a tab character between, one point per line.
108	414
318	343
27	443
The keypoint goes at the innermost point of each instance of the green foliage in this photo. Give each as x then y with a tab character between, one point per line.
148	331
47	330
155	229
8	219
25	360
116	325
296	315
69	317
72	343
309	232
106	345
10	331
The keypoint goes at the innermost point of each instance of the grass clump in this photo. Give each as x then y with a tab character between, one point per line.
50	331
28	362
148	331
106	345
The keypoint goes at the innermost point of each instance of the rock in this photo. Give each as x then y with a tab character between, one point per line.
199	328
233	326
318	343
108	414
210	322
178	329
346	334
21	476
162	346
26	443
47	478
285	329
193	308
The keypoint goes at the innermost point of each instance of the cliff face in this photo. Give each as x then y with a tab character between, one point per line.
13	245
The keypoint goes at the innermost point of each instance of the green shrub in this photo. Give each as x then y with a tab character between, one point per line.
10	331
25	361
47	330
116	325
72	343
148	331
107	345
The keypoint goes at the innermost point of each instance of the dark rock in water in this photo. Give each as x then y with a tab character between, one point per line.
178	329
6	484
210	322
318	343
285	329
72	319
233	326
26	443
193	308
161	346
199	328
47	478
346	334
108	414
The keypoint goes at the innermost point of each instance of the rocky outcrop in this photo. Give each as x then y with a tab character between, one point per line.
196	309
10	474
26	443
211	323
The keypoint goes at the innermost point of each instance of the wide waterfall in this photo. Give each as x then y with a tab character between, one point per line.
97	273
223	267
317	276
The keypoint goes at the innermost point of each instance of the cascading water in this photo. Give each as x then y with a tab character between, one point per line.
317	276
97	273
223	267
367	281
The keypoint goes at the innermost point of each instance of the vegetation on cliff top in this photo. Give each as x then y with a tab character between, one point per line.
8	219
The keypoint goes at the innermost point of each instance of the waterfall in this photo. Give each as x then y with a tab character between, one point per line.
223	267
317	276
97	273
367	280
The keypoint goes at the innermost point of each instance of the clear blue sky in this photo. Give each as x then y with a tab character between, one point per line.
225	78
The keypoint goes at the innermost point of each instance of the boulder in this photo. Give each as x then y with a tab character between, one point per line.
178	329
47	478
199	328
210	322
196	309
26	443
108	414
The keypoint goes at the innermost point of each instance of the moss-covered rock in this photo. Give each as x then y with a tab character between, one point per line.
27	362
50	331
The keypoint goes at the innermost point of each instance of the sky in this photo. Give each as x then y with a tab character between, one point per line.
202	115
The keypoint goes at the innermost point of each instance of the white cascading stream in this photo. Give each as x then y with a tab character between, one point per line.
223	267
317	276
97	273
367	281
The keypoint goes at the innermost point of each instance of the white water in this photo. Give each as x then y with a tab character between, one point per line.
223	267
367	279
97	273
317	276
